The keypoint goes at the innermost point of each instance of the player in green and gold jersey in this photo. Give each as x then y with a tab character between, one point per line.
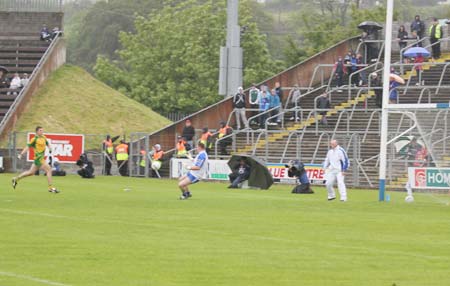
39	143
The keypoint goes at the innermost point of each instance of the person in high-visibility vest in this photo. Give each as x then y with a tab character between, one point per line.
108	148
157	158
122	157
436	33
142	163
182	149
206	139
224	131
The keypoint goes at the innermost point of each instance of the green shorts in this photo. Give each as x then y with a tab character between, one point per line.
39	161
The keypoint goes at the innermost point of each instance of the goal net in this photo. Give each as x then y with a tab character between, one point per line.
418	150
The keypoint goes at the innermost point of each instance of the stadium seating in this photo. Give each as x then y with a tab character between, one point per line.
21	56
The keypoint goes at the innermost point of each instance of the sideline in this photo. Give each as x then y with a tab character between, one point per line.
31	278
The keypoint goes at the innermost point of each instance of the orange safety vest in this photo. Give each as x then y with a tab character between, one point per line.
223	131
109	146
181	148
122	152
157	156
204	139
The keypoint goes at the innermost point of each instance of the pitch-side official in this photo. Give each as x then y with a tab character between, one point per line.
335	166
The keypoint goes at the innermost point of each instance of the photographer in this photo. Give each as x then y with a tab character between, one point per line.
297	170
240	174
86	167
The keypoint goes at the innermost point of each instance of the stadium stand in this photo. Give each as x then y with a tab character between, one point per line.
353	118
22	51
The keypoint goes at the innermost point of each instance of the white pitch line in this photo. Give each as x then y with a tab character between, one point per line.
223	233
31	278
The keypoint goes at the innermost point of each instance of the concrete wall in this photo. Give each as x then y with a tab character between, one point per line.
28	23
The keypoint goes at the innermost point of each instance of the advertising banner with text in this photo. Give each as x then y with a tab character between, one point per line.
219	170
66	147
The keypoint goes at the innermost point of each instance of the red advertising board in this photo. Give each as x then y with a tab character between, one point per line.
66	147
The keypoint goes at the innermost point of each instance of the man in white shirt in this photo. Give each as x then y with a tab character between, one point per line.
335	166
16	84
25	80
196	172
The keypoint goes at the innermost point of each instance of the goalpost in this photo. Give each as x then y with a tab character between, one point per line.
415	138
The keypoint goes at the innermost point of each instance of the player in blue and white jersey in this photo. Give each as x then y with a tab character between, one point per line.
196	172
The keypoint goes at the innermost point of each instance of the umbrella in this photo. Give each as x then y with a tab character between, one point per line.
402	143
397	78
260	176
413	52
366	25
3	69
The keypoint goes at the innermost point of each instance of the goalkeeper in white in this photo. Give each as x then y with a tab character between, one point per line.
335	166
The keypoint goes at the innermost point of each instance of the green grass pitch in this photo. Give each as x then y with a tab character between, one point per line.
95	233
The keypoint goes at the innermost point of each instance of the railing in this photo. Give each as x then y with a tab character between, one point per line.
31	5
442	78
18	100
289	99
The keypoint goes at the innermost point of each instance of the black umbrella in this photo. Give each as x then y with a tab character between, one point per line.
3	69
260	177
366	25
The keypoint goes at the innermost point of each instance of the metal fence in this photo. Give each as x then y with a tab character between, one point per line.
31	5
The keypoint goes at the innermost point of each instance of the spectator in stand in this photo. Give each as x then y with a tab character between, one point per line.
436	33
188	133
369	36
253	96
339	72
55	33
275	104
16	84
279	90
402	36
418	66
378	88
4	82
206	139
182	147
45	34
354	69
239	103
348	58
25	80
224	130
422	158
296	96
264	102
418	26
416	39
393	92
362	74
323	103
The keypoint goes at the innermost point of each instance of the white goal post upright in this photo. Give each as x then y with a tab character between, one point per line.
384	116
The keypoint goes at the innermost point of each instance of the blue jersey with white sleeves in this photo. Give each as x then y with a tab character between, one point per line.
201	161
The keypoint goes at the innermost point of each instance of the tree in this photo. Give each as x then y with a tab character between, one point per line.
95	29
171	61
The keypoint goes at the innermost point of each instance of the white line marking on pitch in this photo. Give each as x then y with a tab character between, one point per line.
31	278
218	232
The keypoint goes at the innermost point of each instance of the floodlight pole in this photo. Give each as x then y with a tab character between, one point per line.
384	113
230	75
